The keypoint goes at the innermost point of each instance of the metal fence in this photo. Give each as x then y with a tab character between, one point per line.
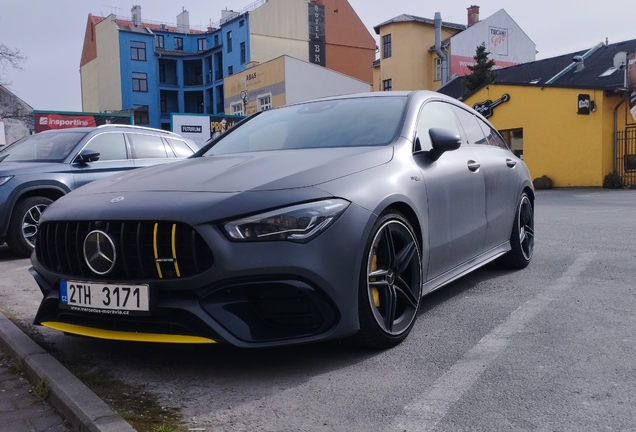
626	155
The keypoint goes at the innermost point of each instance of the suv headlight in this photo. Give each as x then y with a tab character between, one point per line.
299	223
5	179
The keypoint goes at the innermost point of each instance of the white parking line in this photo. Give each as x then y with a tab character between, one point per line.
424	413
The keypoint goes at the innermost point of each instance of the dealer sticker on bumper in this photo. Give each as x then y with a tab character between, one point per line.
104	298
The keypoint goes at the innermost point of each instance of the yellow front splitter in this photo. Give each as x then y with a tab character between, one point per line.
125	336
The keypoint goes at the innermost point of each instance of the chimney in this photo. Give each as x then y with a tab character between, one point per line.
473	15
136	16
183	22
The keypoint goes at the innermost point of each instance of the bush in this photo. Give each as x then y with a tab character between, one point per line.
613	181
543	182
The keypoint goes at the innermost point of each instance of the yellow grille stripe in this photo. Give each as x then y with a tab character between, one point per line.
125	336
174	249
154	244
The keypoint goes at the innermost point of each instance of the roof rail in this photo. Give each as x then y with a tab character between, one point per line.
139	127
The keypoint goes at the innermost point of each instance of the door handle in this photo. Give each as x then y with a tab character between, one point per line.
511	163
473	166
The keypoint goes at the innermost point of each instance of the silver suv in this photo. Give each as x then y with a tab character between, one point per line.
38	169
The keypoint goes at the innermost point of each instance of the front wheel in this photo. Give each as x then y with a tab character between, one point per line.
391	284
23	227
522	236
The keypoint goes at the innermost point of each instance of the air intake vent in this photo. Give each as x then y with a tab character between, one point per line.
143	250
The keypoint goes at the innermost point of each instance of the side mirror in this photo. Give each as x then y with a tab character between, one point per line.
442	140
86	156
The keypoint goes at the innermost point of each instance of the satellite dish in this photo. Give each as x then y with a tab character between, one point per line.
620	60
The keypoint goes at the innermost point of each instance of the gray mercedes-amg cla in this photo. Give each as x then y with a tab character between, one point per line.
327	219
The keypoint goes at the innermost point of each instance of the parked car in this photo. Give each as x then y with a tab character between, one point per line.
320	220
40	168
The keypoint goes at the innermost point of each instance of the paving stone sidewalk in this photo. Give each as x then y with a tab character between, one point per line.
20	410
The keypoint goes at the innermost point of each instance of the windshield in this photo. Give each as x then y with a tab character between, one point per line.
42	147
369	121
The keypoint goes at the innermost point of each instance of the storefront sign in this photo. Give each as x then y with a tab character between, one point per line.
584	104
485	108
631	82
46	120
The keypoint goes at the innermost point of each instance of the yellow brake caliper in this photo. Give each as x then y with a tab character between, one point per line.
374	291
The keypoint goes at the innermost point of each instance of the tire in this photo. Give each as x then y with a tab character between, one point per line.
522	236
23	226
390	284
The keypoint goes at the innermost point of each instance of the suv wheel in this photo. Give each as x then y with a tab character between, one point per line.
23	227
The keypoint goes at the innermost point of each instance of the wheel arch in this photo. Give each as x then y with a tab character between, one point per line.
407	211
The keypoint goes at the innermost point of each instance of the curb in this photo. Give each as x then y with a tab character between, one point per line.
75	402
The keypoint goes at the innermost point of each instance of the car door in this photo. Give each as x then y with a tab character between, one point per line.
502	182
113	158
456	190
148	150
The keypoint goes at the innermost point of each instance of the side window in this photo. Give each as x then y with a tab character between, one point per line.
111	146
180	148
493	137
147	146
469	122
434	115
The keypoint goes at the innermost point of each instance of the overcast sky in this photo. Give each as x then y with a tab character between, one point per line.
50	33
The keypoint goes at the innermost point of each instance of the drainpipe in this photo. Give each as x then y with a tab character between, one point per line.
616	134
438	47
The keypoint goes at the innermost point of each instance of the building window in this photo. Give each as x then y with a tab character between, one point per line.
139	82
514	140
438	69
201	44
386	46
229	41
264	102
242	23
216	40
159	41
243	53
140	115
236	108
178	44
230	70
138	51
164	103
162	73
387	85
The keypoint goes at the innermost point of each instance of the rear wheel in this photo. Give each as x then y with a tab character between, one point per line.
23	227
391	284
522	236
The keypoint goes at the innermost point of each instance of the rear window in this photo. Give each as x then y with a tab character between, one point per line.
147	146
43	147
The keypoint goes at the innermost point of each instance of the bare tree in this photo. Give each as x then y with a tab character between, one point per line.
9	58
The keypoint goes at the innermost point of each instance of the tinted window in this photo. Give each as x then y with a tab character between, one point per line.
492	136
434	115
469	122
320	124
180	148
45	146
147	146
111	146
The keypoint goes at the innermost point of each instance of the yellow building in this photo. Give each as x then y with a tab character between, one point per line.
413	57
567	116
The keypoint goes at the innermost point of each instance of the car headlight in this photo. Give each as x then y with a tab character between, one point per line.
3	180
299	223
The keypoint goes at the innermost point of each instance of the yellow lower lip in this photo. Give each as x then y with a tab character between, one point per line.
125	336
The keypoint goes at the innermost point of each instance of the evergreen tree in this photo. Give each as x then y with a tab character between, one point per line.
481	72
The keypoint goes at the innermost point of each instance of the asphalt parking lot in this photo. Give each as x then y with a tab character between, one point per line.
551	347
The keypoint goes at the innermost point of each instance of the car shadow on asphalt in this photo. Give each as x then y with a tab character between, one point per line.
7	254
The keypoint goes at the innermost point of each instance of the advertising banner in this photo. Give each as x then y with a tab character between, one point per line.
631	82
47	120
200	128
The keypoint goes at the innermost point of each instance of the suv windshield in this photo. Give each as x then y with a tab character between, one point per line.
42	147
331	123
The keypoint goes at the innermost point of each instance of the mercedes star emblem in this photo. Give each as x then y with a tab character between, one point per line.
99	252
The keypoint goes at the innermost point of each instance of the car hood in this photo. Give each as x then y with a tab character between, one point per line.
17	168
257	171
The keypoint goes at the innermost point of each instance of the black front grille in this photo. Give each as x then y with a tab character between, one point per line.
144	250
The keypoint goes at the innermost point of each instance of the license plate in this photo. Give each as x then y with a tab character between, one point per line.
103	298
